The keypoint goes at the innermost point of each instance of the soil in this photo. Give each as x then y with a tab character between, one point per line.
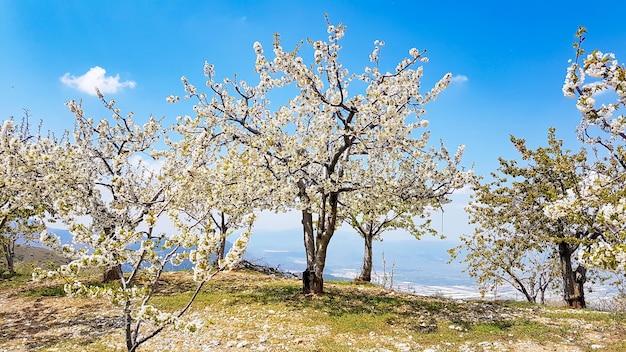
43	323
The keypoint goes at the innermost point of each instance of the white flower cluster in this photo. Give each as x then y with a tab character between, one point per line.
235	254
576	201
599	72
605	255
27	180
573	79
119	296
558	209
614	215
238	155
608	75
156	317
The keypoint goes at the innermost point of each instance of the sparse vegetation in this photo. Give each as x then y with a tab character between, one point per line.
250	310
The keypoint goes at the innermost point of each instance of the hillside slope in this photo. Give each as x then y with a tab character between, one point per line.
249	310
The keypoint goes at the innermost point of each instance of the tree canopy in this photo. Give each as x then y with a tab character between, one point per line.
325	143
597	81
514	241
325	150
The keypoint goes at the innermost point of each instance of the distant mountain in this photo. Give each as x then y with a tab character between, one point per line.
25	254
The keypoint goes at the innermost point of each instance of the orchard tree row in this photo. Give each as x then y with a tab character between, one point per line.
360	157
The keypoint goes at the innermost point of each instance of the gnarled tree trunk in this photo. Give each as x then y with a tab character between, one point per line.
8	247
316	243
315	246
573	281
113	274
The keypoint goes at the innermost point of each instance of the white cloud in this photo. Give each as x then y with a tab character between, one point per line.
459	79
96	78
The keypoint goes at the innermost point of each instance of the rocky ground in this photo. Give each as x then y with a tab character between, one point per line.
53	323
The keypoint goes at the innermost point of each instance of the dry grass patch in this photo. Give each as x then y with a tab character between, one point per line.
249	310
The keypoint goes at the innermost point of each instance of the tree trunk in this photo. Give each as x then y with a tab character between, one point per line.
308	276
113	274
519	286
316	242
543	286
544	282
221	249
315	246
220	252
580	276
320	263
128	328
9	254
573	286
366	269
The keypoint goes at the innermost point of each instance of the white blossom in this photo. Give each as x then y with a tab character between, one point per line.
602	194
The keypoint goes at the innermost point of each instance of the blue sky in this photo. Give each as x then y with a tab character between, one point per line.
509	58
513	56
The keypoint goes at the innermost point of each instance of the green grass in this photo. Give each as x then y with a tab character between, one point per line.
492	327
17	280
357	310
45	291
346	316
80	345
529	328
354	309
589	315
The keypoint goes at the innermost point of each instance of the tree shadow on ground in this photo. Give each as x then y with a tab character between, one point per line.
43	325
